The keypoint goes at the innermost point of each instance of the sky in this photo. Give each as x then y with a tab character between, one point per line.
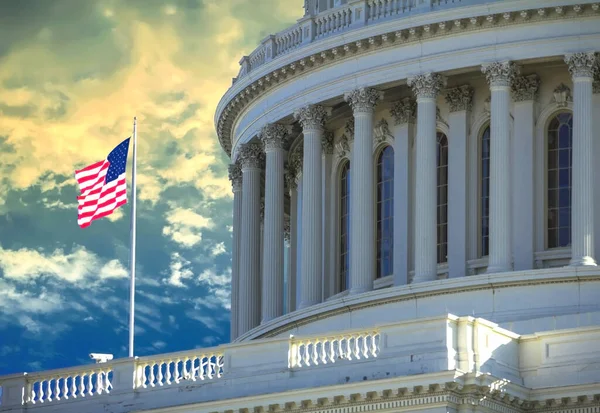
73	74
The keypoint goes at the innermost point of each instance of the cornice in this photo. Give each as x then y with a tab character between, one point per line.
300	67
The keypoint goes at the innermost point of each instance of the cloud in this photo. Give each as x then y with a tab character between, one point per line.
218	249
179	270
219	289
184	226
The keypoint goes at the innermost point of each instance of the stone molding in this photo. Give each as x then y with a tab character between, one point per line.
582	64
251	156
312	116
403	111
275	136
427	86
363	100
500	73
460	98
239	101
235	176
525	87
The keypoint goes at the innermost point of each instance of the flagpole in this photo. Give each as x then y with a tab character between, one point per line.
132	261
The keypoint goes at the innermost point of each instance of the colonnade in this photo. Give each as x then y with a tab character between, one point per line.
258	297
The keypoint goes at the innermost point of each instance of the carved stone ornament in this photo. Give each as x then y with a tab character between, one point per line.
460	98
235	176
251	156
438	116
289	176
286	230
296	162
381	131
500	73
312	116
487	105
403	111
327	143
275	136
596	87
525	87
562	95
342	146
363	99
262	209
349	128
583	64
427	86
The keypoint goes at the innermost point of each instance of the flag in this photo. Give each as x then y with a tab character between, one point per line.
103	186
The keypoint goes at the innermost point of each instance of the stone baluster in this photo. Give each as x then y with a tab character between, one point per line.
312	119
500	76
250	158
235	176
582	67
426	88
362	210
274	138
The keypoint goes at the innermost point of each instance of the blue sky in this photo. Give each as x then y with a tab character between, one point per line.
72	76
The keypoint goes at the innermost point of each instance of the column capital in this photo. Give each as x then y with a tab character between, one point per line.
327	143
251	156
275	136
582	64
363	100
235	176
403	111
460	98
427	85
500	73
312	116
525	87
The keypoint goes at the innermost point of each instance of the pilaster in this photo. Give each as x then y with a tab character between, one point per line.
426	88
235	176
500	76
362	189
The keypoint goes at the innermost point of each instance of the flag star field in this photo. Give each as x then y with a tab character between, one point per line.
73	75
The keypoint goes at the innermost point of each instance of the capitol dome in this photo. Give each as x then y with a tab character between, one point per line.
414	222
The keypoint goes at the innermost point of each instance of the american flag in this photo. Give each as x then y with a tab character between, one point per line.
103	186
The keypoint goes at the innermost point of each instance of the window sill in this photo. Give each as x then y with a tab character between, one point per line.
383	282
477	266
338	295
442	273
552	258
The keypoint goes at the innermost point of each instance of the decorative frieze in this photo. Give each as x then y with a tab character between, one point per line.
327	143
275	136
235	176
312	116
562	95
460	98
500	73
342	147
251	156
363	99
427	86
403	111
582	64
381	132
525	87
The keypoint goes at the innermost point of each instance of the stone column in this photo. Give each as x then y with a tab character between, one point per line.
312	119
582	67
235	176
500	76
426	88
274	138
460	100
596	117
524	91
362	189
290	178
328	279
403	113
251	158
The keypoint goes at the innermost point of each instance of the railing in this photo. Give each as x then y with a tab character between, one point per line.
354	14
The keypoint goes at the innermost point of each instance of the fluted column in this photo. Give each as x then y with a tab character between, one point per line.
426	88
235	176
328	240
500	76
290	178
250	157
274	139
362	190
582	67
312	119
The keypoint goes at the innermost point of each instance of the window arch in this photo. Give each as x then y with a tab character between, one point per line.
385	212
559	138
344	256
484	198
442	198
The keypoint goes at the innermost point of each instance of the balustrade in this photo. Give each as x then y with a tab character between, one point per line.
175	368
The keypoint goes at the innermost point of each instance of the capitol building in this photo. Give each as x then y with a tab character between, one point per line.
414	222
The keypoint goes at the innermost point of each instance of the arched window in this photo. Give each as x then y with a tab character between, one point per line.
385	212
560	160
442	198
484	202
345	227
